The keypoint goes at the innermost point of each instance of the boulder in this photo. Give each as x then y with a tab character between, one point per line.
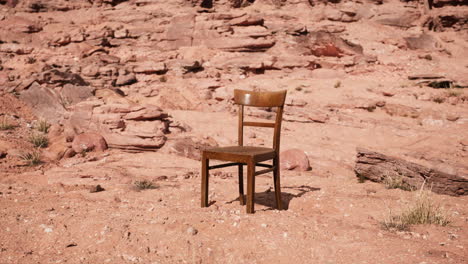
133	142
88	142
127	79
148	112
58	149
344	15
150	68
425	76
294	159
19	24
321	43
234	44
72	94
60	41
123	124
44	102
423	42
180	30
404	19
248	62
377	167
57	77
18	49
247	20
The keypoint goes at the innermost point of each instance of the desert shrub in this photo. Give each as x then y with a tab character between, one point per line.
5	125
397	183
423	210
144	185
31	158
43	126
39	140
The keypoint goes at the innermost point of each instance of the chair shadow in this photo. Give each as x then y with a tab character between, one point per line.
267	198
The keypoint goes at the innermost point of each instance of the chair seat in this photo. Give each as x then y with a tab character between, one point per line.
240	153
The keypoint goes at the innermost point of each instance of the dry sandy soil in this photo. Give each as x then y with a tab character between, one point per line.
155	79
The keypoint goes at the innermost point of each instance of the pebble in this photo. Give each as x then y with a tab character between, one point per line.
47	229
452	117
192	231
97	188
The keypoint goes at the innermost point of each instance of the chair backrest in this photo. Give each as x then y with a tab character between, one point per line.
260	99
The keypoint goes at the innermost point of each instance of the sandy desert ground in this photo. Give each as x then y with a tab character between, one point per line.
154	81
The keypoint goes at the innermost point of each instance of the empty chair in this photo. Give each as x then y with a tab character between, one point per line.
249	156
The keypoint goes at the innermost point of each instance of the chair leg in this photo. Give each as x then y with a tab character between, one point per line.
241	185
276	180
250	186
204	182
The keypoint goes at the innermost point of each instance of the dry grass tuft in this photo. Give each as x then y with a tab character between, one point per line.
144	185
32	158
43	126
397	183
5	125
39	140
422	211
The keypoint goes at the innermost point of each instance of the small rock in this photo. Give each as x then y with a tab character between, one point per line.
46	228
95	189
452	117
161	178
109	58
425	76
89	141
72	244
369	106
151	68
251	135
192	231
294	159
126	79
380	103
121	33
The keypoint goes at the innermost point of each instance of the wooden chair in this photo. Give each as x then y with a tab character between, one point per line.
247	155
